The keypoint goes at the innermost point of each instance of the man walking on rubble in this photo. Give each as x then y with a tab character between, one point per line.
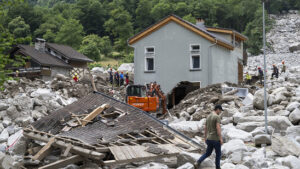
213	137
260	75
283	67
275	71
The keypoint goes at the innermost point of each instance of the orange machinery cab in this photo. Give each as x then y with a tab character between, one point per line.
136	95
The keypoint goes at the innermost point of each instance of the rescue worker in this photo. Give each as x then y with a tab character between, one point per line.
75	77
121	79
127	78
260	75
275	71
17	73
212	136
111	76
117	78
248	78
283	67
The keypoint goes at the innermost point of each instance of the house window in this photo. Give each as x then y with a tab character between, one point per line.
149	58
149	50
195	48
150	64
195	62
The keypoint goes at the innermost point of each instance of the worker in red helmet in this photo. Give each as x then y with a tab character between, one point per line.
283	67
261	75
275	71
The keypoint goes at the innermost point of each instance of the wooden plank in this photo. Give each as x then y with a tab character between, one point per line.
44	151
94	113
69	146
63	162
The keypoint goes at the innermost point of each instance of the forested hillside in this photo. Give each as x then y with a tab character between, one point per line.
99	27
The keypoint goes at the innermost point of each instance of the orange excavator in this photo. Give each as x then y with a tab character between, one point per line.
149	97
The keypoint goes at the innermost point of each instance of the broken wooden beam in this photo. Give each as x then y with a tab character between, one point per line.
66	152
44	151
62	145
63	162
93	114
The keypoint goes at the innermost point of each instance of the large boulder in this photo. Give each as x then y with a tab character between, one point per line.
19	143
284	146
290	161
278	95
190	128
233	146
3	106
153	165
233	133
258	101
186	166
126	67
4	136
292	106
262	139
294	47
43	94
185	157
248	99
295	116
261	130
23	102
249	126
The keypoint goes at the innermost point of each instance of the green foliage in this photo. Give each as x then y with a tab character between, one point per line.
143	15
19	28
161	10
128	58
190	18
70	33
254	31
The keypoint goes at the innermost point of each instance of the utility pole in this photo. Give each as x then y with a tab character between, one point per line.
265	70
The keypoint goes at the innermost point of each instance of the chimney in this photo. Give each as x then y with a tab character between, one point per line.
200	23
40	44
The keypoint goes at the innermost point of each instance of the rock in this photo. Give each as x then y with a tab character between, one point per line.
233	146
153	165
4	136
284	146
185	115
292	106
197	116
6	122
98	70
258	101
185	157
71	166
23	102
36	115
262	139
2	156
294	117
186	166
261	130
12	112
43	94
126	67
232	133
283	113
248	99
191	110
24	120
294	47
229	112
290	161
11	129
236	157
249	126
19	143
228	166
190	128
293	131
3	106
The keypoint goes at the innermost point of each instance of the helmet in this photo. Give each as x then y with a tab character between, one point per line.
258	67
17	71
282	62
76	74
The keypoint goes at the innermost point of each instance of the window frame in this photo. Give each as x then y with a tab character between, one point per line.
191	48
149	55
191	62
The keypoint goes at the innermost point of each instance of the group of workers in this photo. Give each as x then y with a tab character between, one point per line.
261	73
118	79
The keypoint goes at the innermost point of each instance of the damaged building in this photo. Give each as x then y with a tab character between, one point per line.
174	50
45	60
106	131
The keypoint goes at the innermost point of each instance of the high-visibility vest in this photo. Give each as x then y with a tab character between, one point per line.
248	77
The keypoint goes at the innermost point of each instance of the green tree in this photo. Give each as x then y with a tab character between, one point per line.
181	9
91	50
190	18
91	16
70	33
161	10
143	15
19	28
119	25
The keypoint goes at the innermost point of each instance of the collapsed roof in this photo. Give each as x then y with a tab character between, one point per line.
109	131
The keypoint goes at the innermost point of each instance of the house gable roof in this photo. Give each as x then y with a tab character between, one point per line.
68	52
42	58
200	31
227	31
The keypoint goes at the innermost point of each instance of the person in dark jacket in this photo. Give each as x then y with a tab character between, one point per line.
121	79
117	78
127	78
260	75
275	71
111	76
